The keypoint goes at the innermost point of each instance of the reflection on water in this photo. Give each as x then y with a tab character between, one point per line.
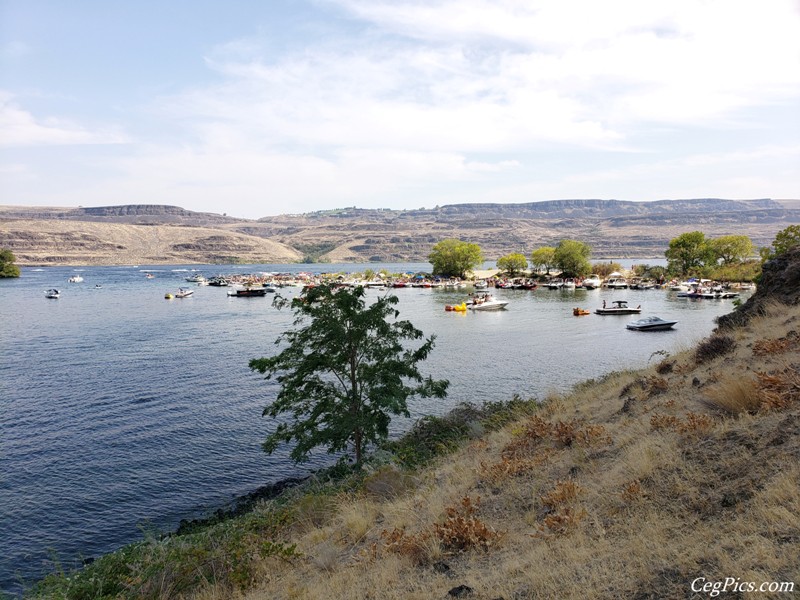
119	407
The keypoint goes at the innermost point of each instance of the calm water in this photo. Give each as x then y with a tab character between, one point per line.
121	409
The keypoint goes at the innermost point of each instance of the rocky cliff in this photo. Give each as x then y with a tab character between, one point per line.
162	233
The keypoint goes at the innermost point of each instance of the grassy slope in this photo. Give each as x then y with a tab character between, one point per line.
653	487
632	486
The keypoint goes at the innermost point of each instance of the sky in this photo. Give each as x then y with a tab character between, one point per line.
263	107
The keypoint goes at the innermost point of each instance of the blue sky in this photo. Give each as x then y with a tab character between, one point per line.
256	108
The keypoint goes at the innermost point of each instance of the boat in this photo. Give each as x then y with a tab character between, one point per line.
620	307
198	278
487	302
248	292
592	282
616	283
481	284
568	284
149	276
218	281
579	312
184	293
651	324
554	284
75	279
52	293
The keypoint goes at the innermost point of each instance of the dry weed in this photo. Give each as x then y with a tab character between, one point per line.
564	492
774	346
632	491
562	521
693	423
513	465
462	530
735	396
779	390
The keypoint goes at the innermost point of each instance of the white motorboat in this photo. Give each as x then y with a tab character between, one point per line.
52	293
651	324
487	302
75	279
619	307
184	293
198	278
616	283
592	282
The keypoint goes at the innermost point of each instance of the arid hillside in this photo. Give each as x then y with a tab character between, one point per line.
149	234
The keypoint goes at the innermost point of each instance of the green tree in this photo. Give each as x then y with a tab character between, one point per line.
784	239
454	258
7	266
688	253
731	249
513	264
543	258
572	258
344	372
604	269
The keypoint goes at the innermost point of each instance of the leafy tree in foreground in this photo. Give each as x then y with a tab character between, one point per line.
7	266
572	258
453	258
513	264
543	258
344	372
784	239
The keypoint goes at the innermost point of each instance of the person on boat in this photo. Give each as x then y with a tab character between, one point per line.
604	303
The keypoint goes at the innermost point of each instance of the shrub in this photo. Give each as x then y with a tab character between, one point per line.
714	347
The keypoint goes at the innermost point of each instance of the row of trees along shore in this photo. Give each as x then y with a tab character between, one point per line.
691	254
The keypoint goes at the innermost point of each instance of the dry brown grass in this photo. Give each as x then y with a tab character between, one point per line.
586	499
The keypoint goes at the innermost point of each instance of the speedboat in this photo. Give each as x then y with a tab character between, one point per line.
651	324
198	278
620	307
52	293
75	279
592	282
184	293
487	302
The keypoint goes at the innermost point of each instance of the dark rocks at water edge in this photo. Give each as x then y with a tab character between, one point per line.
780	281
240	506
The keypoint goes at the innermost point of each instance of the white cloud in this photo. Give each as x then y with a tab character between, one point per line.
20	128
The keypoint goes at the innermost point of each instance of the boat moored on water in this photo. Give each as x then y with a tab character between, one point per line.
618	307
184	293
52	293
592	282
487	302
652	323
248	292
